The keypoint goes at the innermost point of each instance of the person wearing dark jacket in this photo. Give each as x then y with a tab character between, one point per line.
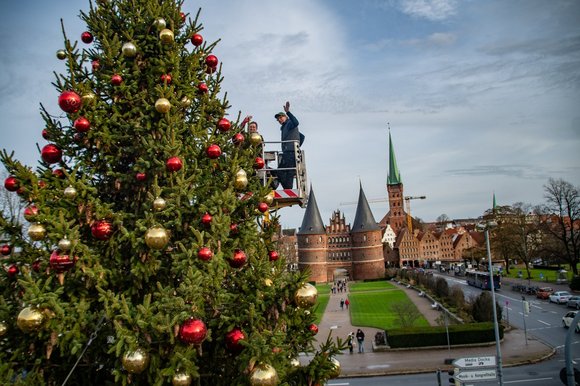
288	132
360	337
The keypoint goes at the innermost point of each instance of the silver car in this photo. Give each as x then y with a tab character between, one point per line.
560	297
574	302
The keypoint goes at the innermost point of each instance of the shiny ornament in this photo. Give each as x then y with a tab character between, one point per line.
313	329
5	250
211	61
269	198
30	212
160	23
264	375
234	229
58	173
139	176
3	329
159	204
64	244
193	331
102	230
45	134
36	265
82	124
238	259
173	164
70	192
224	125
96	65
263	207
268	282
259	163
182	17
181	379
88	98
41	184
255	138
12	271
37	232
156	237
306	296
135	362
273	256
166	36
51	154
213	151
61	54
204	254
185	102
30	320
60	263
166	78
238	139
234	339
11	184
335	368
116	80
202	87
129	50
241	180
162	105
87	37
69	101
196	39
206	219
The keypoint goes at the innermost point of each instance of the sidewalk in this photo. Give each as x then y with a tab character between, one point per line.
514	350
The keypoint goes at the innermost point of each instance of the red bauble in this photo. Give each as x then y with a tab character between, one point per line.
166	78
233	340
87	37
82	124
60	263
197	39
211	61
96	64
69	101
224	124
313	328
234	229
51	154
259	163
140	176
202	87
263	207
102	230
41	184
182	17
5	250
205	254
174	164
193	331
45	134
116	80
213	151
239	259
238	139
30	212
273	255
12	271
206	219
11	184
58	173
36	265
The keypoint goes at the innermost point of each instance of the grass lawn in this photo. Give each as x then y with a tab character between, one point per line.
322	302
370	286
544	275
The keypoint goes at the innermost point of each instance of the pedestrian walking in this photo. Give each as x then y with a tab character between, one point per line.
346	303
341	304
350	342
360	337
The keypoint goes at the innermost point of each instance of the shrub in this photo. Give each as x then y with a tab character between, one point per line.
481	308
575	283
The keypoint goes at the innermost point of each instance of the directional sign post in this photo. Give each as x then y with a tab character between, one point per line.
468	363
476	375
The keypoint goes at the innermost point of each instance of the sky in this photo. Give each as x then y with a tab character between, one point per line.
482	97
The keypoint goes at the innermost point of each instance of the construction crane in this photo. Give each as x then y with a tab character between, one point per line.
408	202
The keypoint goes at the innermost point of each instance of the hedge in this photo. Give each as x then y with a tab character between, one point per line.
459	334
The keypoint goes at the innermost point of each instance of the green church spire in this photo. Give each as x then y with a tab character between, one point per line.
394	177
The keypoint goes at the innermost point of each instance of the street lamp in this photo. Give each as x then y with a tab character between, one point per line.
486	228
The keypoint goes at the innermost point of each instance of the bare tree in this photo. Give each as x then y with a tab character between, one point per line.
527	235
407	314
10	210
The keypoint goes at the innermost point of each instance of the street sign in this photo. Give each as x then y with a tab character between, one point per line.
475	362
476	375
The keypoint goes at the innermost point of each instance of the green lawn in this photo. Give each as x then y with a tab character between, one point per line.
322	302
544	275
370	286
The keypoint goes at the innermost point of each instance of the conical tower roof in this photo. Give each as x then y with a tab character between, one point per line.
394	177
312	222
363	219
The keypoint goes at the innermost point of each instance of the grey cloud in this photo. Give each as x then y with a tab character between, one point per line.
519	171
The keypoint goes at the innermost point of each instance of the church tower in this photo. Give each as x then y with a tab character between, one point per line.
367	249
396	216
313	242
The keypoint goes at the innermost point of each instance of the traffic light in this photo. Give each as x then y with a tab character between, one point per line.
452	380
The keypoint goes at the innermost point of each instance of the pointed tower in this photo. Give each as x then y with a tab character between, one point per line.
396	215
313	242
367	249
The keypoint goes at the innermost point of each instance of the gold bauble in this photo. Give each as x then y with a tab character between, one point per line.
335	368
88	98
263	375
255	138
70	192
185	102
129	50
135	361
61	54
159	204
37	232
64	244
156	237
306	296
166	36
162	105
268	282
241	180
30	319
269	198
3	329
181	379
160	23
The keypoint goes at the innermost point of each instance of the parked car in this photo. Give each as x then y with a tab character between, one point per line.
567	320
544	292
560	297
574	302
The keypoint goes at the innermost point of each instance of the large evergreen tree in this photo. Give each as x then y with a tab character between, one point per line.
148	258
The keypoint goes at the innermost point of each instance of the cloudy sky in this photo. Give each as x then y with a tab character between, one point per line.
481	96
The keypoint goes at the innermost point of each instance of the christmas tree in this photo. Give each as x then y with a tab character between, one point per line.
147	255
